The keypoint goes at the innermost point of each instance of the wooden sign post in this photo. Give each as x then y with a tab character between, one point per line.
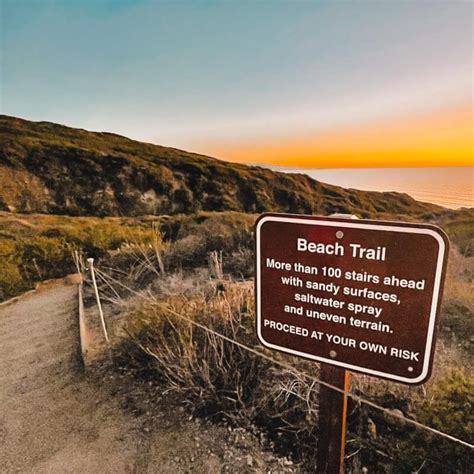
332	419
353	295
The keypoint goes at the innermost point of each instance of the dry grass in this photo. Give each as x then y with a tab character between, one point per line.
214	378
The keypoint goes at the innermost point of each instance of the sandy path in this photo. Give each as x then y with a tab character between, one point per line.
50	414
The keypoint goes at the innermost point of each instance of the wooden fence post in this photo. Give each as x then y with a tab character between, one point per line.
101	314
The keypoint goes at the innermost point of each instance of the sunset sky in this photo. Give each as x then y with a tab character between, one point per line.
312	84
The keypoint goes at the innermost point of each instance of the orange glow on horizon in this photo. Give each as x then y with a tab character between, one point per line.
442	138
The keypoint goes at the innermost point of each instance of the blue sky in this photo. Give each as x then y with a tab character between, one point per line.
204	74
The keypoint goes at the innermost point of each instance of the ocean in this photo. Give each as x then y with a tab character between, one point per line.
451	187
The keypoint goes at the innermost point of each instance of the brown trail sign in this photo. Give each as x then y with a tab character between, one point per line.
359	295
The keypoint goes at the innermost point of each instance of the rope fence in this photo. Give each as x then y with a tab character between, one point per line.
357	398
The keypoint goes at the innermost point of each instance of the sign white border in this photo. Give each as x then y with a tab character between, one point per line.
392	227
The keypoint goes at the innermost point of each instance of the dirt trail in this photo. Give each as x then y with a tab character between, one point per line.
49	415
53	419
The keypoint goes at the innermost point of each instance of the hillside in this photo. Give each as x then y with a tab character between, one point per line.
50	168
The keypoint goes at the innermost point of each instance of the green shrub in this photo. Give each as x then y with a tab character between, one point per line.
450	407
97	236
227	232
12	282
458	309
38	247
44	257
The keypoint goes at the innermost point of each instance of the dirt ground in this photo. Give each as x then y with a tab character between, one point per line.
55	418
